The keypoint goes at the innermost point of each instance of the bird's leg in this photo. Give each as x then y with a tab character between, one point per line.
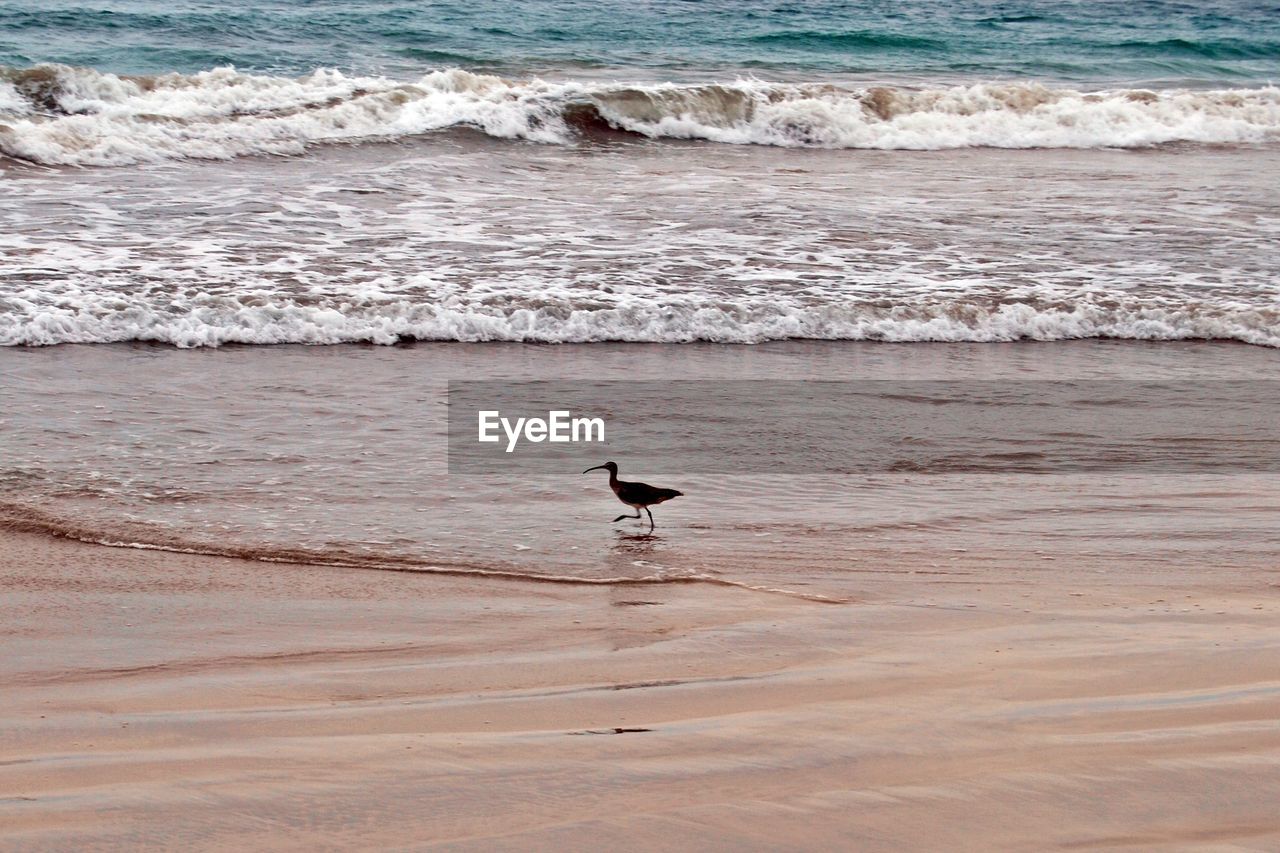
619	518
646	509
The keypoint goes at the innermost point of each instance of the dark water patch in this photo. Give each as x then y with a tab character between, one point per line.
1207	49
865	40
442	57
585	120
1013	19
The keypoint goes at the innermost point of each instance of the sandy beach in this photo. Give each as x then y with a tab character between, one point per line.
154	699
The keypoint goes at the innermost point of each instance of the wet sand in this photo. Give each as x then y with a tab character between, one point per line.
156	700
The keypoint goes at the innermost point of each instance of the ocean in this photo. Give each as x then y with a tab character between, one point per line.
563	172
1151	42
816	190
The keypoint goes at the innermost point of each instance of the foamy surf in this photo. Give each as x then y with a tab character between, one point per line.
226	320
61	115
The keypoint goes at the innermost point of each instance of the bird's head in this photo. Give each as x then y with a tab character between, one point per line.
611	467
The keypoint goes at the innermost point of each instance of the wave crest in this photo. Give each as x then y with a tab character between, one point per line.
59	115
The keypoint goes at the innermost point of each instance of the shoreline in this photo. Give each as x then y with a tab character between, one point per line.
413	343
278	706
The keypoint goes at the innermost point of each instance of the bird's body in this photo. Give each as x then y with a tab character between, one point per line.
638	496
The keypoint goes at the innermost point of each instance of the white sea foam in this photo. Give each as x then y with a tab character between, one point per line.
11	101
97	119
90	318
74	116
985	115
633	242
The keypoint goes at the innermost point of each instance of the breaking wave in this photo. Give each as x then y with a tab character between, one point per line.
212	321
60	115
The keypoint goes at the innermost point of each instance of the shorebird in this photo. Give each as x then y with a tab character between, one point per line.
638	496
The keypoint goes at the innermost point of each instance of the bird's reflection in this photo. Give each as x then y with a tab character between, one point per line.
637	544
640	553
634	617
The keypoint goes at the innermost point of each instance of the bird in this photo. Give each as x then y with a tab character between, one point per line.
638	496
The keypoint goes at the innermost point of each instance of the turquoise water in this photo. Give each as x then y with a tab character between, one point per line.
1152	43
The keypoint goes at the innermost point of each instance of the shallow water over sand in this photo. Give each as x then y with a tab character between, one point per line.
339	454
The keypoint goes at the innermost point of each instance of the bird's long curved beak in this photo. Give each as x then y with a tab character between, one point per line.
597	468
